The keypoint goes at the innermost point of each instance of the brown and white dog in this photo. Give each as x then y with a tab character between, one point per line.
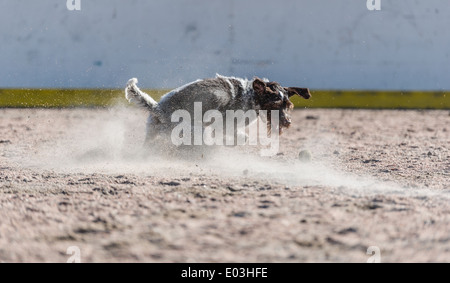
220	93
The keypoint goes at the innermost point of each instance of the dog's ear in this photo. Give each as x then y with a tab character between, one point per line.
303	92
259	86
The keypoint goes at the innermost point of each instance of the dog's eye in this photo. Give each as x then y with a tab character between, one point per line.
275	96
270	90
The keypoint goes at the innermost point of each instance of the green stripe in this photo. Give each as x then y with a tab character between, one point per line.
22	98
375	100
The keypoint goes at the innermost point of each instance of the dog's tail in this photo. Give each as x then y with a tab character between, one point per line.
134	95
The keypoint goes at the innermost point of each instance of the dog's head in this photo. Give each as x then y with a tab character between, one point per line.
272	96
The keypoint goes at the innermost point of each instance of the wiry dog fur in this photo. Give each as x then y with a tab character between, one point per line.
219	93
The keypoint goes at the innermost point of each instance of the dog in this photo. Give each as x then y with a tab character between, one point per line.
220	93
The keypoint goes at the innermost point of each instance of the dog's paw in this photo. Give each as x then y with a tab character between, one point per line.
131	90
132	82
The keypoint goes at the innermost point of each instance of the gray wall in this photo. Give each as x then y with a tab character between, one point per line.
315	43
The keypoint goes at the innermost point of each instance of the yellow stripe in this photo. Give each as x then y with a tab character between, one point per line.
375	99
320	98
65	97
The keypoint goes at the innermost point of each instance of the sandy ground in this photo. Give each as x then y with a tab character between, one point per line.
75	177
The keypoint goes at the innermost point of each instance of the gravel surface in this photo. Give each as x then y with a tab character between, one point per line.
78	177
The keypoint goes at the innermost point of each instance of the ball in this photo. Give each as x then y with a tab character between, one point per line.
305	156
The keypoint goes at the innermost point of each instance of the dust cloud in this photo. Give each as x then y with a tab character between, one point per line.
115	146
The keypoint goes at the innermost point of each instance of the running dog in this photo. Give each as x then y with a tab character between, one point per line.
220	93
